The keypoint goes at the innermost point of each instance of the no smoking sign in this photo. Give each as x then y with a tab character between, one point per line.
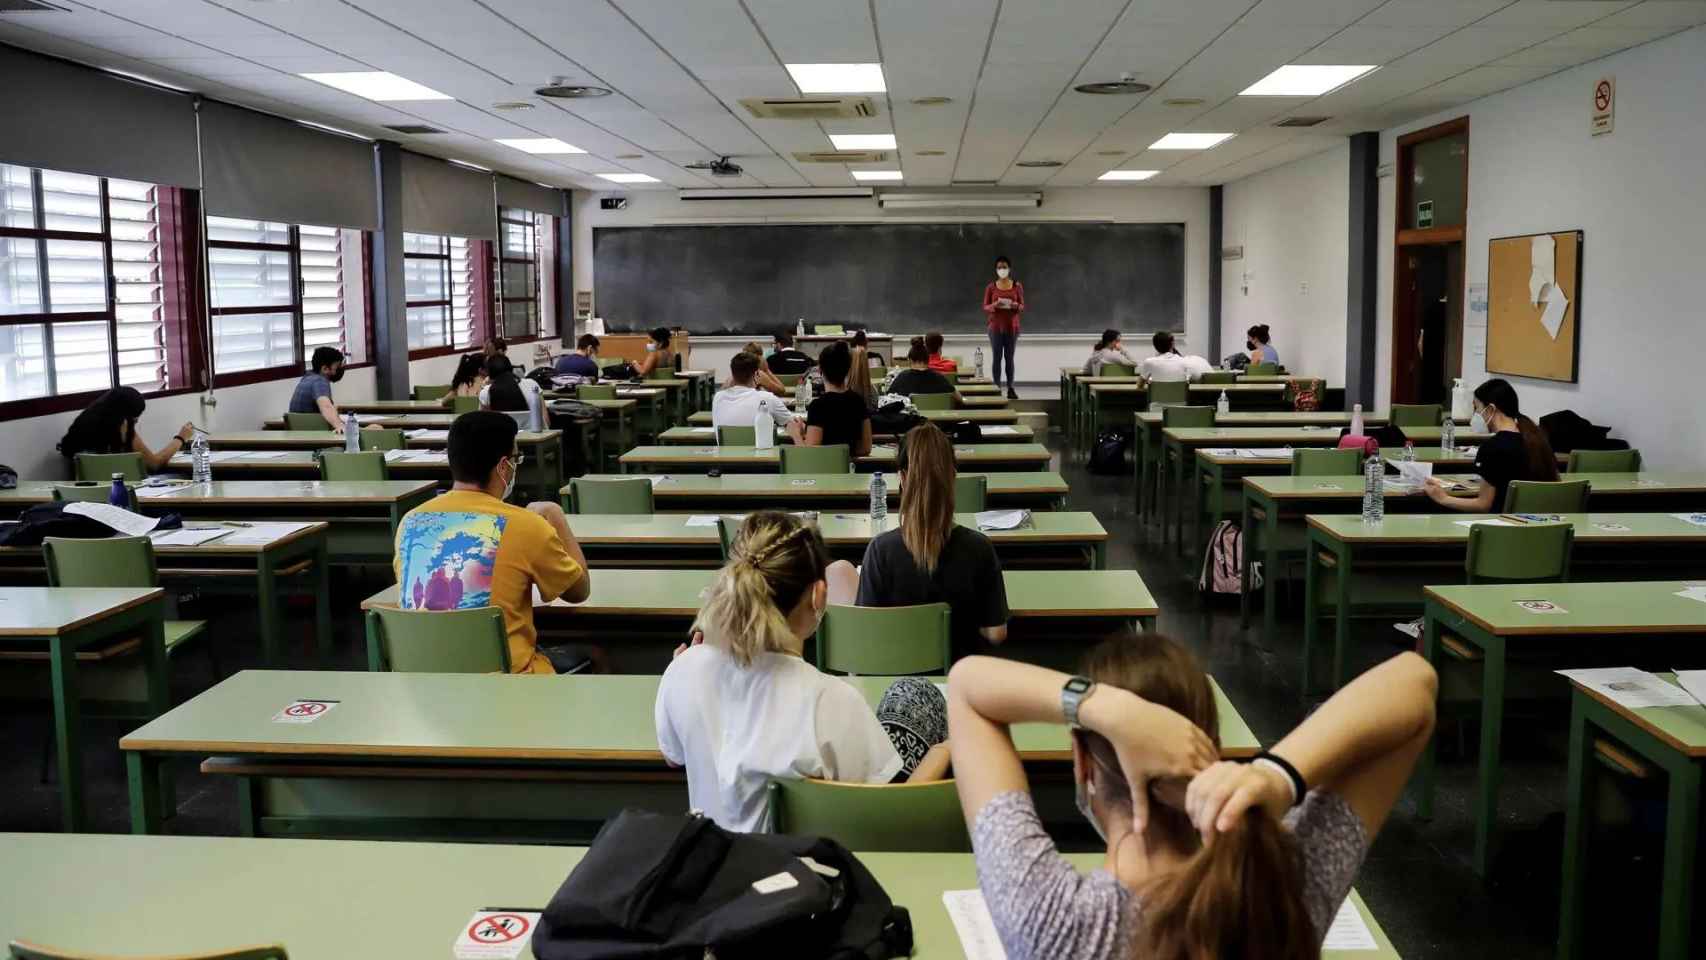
495	933
1604	106
304	711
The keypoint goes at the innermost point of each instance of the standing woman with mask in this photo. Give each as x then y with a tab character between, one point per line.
109	426
658	354
1003	301
1517	450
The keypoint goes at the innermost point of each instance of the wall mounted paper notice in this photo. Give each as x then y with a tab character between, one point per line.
1630	687
974	925
1542	251
1477	316
1694	681
1348	931
125	522
1552	318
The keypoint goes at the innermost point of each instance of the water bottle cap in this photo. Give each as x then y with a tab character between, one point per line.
118	476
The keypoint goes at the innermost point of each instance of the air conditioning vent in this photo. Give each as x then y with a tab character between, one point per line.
841	156
414	129
30	6
1301	121
809	108
978	184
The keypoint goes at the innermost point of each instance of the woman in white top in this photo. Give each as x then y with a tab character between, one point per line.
507	393
1108	350
740	707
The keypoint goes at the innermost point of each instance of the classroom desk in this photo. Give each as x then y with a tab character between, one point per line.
650	415
742	459
1036	489
65	620
1670	738
979	417
968	389
1608	547
616	431
461	755
391	407
254	571
1114	394
541	473
419	464
1489	618
700	436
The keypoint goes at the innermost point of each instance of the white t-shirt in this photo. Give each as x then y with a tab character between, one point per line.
738	406
736	728
1171	367
535	401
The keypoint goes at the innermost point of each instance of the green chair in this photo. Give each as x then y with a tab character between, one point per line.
1118	370
662	373
884	641
381	440
727	528
834	458
1536	496
1325	463
829	330
1530	553
91	492
102	466
1187	417
1605	461
933	401
114	562
435	391
305	421
1170	392
874	817
1417	414
1262	370
1219	376
20	950
736	436
340	467
971	493
460	405
437	641
629	496
596	391
789	380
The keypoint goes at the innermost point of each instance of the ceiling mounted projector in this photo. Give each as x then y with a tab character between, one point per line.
720	167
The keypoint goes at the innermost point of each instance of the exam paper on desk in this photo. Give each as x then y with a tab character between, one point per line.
1630	687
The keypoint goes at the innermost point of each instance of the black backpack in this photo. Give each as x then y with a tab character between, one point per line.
1108	455
676	887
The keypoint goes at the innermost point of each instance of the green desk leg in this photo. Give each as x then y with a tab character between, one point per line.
1578	813
1343	564
67	730
1146	624
323	599
1099	555
1426	763
143	770
1492	726
267	608
1245	525
375	655
1682	830
1312	566
1271	564
1137	444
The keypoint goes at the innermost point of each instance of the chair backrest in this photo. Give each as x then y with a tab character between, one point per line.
1118	370
102	466
1262	370
933	401
834	458
381	440
353	467
789	379
884	641
1532	552
1605	461
20	950
876	818
306	421
430	391
1308	462
1539	496
1417	414
1219	376
437	641
736	436
108	562
1187	417
661	373
829	329
971	493
629	495
596	391
727	527
93	492
464	404
1169	391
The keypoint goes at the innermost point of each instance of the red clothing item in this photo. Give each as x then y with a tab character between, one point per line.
1004	321
942	364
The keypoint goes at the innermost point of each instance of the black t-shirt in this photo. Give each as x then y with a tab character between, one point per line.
789	361
909	381
1500	460
842	417
967	579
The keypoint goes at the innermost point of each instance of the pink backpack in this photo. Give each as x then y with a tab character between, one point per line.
1223	562
1369	446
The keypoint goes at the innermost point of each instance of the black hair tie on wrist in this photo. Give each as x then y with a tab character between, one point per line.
1299	788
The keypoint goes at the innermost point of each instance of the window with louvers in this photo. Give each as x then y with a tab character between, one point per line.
438	284
280	290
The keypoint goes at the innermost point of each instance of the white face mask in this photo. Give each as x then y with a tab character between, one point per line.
1082	796
1002	272
509	485
1478	422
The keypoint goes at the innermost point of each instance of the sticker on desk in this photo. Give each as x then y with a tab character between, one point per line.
1324	485
304	711
1697	519
970	915
1608	527
1649	483
803	482
1348	931
495	933
1539	606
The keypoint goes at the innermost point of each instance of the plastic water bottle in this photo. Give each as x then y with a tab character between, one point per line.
803	392
1374	490
1223	406
1459	399
977	359
1409	451
352	434
800	327
201	465
1356	420
120	496
763	429
1448	434
879	499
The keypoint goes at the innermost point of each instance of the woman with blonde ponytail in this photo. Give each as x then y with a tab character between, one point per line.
740	707
1206	859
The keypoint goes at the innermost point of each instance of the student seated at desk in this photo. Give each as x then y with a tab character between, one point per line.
658	354
469	379
494	347
1169	365
933	342
313	393
764	379
737	405
859	377
918	377
1205	857
840	416
109	426
930	558
470	548
1261	351
786	360
1517	450
518	397
584	361
1107	350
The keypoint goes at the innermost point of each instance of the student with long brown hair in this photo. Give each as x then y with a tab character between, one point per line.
1517	450
859	377
1205	858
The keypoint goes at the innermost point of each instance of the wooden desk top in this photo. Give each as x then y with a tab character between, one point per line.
269	492
429	427
1620	484
305	463
1107	386
843	529
1682	728
824	484
1296	436
970	453
1281	418
1593	609
221	546
55	611
1451	527
702	418
707	435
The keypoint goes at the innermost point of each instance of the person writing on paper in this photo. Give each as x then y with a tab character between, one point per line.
1168	365
1261	351
840	416
1003	301
1109	349
1205	857
930	558
313	393
737	405
471	548
918	377
658	354
740	706
583	362
109	426
1517	450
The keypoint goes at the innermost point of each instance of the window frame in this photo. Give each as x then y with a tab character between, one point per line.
479	297
507	216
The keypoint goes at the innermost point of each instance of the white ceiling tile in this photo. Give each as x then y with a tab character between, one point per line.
1477	45
1328	13
1659	13
1581	45
1553	13
1430	13
1377	45
817	31
1482	81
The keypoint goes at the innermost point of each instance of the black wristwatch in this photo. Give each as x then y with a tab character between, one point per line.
1072	696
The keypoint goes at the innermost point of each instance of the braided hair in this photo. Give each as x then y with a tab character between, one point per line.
775	559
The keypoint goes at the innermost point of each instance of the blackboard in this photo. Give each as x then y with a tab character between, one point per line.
889	278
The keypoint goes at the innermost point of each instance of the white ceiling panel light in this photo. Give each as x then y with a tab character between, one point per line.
629	178
838	77
1190	141
878	175
1127	176
1305	80
862	141
377	85
540	145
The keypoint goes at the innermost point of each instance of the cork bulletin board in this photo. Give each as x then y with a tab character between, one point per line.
1534	305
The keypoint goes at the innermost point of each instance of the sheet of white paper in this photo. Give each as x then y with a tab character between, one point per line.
1694	681
1693	593
702	430
261	454
392	456
1348	931
371	417
703	520
1490	521
1552	318
1631	687
973	923
1697	519
261	533
424	434
1002	519
1542	251
1414	471
125	522
1000	431
220	456
1266	453
186	538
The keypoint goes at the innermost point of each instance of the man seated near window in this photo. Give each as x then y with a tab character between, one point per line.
785	360
471	548
584	361
313	392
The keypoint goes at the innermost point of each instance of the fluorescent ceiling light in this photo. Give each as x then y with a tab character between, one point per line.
862	141
629	178
541	145
1304	80
471	166
1189	141
1128	175
377	85
877	175
838	77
